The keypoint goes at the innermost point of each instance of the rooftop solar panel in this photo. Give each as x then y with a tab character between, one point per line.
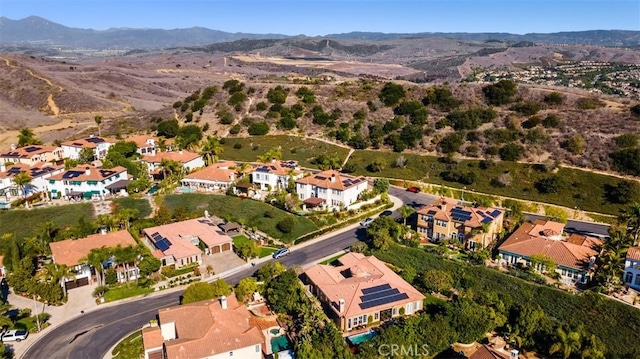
72	174
77	144
95	140
495	213
431	212
262	169
31	149
14	170
486	220
385	300
162	245
378	295
375	289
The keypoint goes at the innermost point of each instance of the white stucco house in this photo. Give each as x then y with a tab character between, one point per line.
100	146
632	268
217	176
189	160
332	187
40	175
32	155
275	174
86	182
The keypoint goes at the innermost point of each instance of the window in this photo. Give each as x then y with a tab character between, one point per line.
628	277
258	348
637	281
441	223
395	310
376	315
230	354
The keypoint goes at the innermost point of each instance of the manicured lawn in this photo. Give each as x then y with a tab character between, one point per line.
244	211
130	347
25	222
293	148
141	204
241	239
576	189
125	292
266	251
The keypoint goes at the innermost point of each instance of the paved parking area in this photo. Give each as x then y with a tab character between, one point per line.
222	262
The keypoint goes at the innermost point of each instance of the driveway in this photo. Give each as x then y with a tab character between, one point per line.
221	262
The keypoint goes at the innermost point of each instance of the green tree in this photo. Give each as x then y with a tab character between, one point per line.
623	192
188	135
378	165
148	265
406	212
272	154
197	292
381	185
26	137
542	263
451	143
627	140
438	281
96	258
211	149
270	271
500	93
627	160
635	110
286	225
511	152
233	86
277	95
630	216
575	144
258	128
22	180
220	288
553	99
245	288
98	121
168	128
391	94
566	343
170	167
248	250
86	155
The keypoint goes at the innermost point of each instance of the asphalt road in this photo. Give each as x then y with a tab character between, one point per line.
94	333
597	228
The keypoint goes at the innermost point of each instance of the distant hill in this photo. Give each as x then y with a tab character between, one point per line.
36	31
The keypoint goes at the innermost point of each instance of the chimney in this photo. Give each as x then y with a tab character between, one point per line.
223	302
103	231
443	205
13	147
273	160
3	167
341	306
513	354
180	152
333	177
87	170
91	135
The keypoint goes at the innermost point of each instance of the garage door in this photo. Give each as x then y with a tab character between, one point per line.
216	249
77	283
226	247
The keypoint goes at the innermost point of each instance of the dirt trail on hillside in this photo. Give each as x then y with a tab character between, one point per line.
55	110
9	137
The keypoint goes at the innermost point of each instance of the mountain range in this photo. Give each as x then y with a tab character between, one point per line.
37	31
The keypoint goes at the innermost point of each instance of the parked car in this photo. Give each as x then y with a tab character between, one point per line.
414	189
281	253
366	222
15	335
571	230
386	213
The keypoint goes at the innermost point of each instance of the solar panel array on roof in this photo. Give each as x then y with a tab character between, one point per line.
95	140
160	242
378	288
14	170
32	149
289	164
107	173
72	174
262	169
431	212
495	213
486	220
37	172
383	294
460	215
77	144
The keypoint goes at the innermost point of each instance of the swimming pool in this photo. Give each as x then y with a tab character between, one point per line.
279	344
153	189
362	337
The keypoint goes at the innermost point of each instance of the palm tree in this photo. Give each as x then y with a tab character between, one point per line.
96	258
162	144
124	256
211	149
170	166
57	272
631	217
22	179
125	215
566	343
241	169
98	120
107	221
274	153
26	137
5	321
406	212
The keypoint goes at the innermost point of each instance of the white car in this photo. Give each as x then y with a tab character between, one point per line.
366	222
281	253
15	335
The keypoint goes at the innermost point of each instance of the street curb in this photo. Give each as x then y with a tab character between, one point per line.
108	354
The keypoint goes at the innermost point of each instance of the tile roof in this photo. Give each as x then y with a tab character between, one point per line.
95	173
70	252
152	337
447	209
181	233
358	273
88	142
332	179
484	351
28	151
634	253
219	172
35	171
215	331
531	238
142	140
280	168
180	156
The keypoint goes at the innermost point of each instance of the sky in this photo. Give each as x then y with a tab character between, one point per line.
321	17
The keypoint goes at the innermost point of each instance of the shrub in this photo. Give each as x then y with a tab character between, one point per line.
551	121
627	161
511	152
549	184
111	276
391	94
589	104
286	225
626	140
378	165
527	108
261	106
235	130
575	144
500	93
258	129
553	99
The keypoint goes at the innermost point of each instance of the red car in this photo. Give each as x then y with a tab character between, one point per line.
414	189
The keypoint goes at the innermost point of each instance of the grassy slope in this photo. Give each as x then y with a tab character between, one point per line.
23	223
246	211
293	148
141	204
582	189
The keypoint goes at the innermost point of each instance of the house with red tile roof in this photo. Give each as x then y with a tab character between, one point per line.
178	243
362	290
100	146
632	268
333	188
213	329
71	252
189	160
476	227
573	255
217	176
275	175
39	173
32	155
87	181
